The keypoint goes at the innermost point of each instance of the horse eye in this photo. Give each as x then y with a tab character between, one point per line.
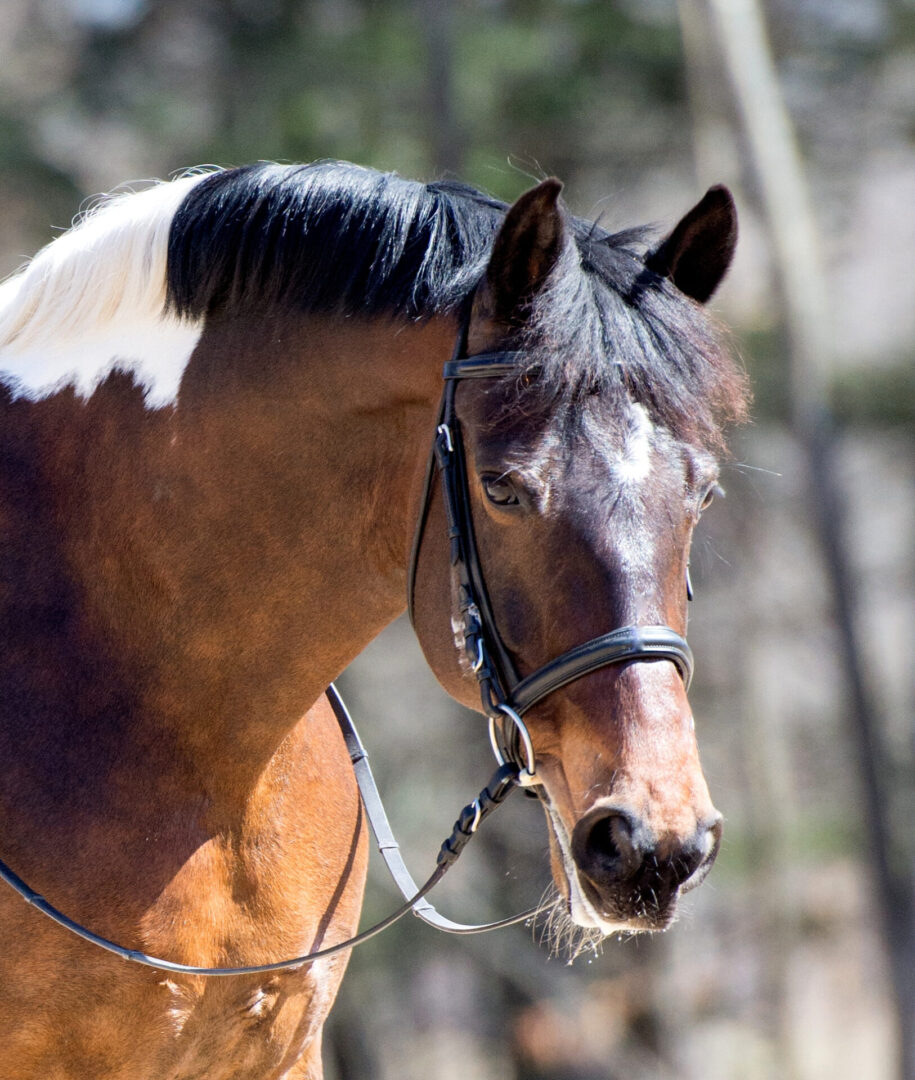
715	491
499	490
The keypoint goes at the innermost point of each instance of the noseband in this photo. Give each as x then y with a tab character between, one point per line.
505	696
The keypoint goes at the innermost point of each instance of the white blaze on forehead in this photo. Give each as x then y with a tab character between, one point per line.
628	458
634	462
94	298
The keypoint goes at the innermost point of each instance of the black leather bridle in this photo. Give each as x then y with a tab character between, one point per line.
505	696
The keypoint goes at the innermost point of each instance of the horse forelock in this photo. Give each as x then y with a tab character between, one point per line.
607	325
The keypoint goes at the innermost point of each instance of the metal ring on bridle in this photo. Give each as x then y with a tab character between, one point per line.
523	734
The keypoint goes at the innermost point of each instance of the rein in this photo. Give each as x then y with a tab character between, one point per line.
505	696
496	791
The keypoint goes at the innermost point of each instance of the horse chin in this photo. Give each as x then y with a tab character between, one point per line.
583	907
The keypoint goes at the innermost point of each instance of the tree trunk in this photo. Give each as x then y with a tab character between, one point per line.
740	32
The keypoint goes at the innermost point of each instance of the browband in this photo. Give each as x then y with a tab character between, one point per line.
490	365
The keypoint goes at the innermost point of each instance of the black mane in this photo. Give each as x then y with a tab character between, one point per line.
337	238
328	237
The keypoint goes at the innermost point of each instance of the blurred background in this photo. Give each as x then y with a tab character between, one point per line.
796	959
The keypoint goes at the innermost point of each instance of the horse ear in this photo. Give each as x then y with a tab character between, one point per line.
698	252
527	247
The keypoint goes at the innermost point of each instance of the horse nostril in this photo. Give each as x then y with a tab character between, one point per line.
612	846
701	855
607	846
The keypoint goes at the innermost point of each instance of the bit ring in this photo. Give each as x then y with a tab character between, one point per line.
523	734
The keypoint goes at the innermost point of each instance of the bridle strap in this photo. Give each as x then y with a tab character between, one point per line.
490	660
618	647
483	365
469	820
505	697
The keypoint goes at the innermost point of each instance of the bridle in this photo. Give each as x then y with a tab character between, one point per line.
505	696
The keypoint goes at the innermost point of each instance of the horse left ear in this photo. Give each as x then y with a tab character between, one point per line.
526	249
697	254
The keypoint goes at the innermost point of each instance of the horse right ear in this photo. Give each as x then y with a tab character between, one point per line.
697	254
526	249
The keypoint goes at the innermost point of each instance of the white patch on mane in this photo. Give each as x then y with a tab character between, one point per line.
94	298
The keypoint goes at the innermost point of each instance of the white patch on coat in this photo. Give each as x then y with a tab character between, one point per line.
634	463
629	463
94	299
181	1004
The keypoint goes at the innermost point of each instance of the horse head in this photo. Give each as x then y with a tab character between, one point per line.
587	467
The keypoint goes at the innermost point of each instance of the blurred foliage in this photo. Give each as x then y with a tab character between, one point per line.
227	83
876	398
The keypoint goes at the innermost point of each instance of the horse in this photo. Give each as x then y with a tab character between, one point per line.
218	400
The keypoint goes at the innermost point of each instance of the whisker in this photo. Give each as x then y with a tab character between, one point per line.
563	937
742	466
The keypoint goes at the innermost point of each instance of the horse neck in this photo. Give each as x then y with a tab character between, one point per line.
236	553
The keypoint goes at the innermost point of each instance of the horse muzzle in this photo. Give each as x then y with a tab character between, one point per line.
620	876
